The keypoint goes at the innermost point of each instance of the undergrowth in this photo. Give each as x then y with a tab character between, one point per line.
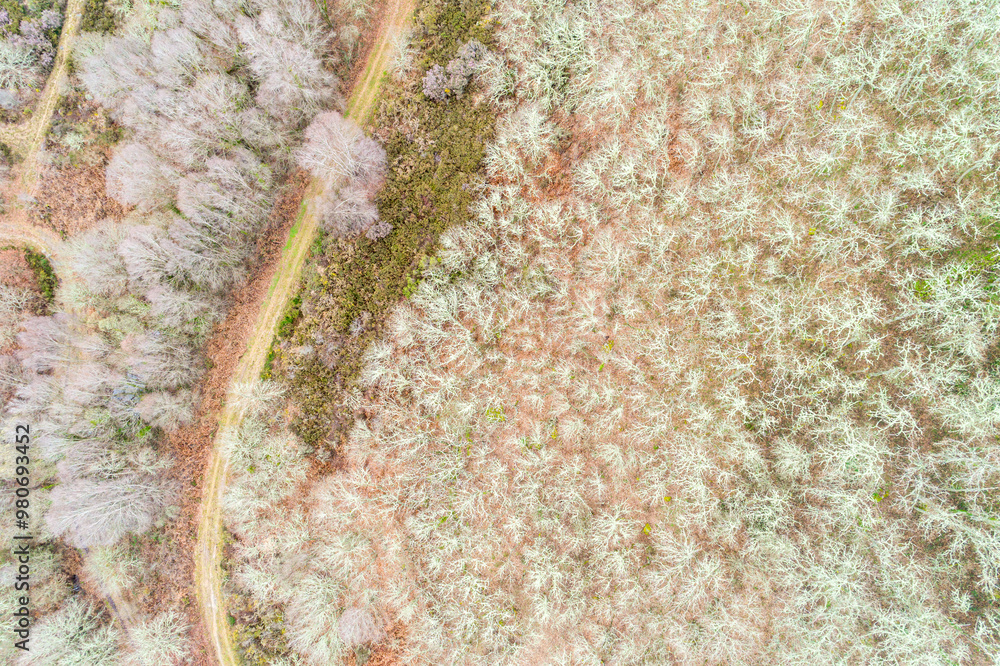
434	153
98	16
258	628
45	275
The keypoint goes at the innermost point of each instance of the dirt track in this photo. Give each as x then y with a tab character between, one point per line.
40	239
209	547
26	140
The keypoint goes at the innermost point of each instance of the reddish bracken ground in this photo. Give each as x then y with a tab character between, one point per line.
14	270
73	199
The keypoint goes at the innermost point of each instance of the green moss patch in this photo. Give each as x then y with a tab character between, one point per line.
44	274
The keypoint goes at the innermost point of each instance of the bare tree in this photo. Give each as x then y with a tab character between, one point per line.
371	165
260	132
43	343
145	256
11	374
176	49
442	82
88	383
328	152
198	255
187	142
358	627
203	19
348	212
33	396
96	261
17	65
136	176
13	302
435	84
89	512
161	640
336	151
335	148
72	635
112	72
190	312
467	61
166	410
91	457
231	197
282	43
161	360
256	397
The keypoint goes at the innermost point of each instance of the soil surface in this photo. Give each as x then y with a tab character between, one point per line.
14	270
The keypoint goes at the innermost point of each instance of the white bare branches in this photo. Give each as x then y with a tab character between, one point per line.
283	42
352	168
97	513
335	148
74	635
357	627
136	176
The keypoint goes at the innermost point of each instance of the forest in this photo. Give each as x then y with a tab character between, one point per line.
626	333
211	102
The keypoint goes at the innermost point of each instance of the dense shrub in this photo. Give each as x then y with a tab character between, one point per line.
45	275
98	16
439	83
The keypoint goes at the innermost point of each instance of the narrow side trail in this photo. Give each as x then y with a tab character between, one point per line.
34	131
39	239
209	546
26	140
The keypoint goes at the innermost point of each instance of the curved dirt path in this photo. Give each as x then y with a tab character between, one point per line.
26	138
209	547
39	239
